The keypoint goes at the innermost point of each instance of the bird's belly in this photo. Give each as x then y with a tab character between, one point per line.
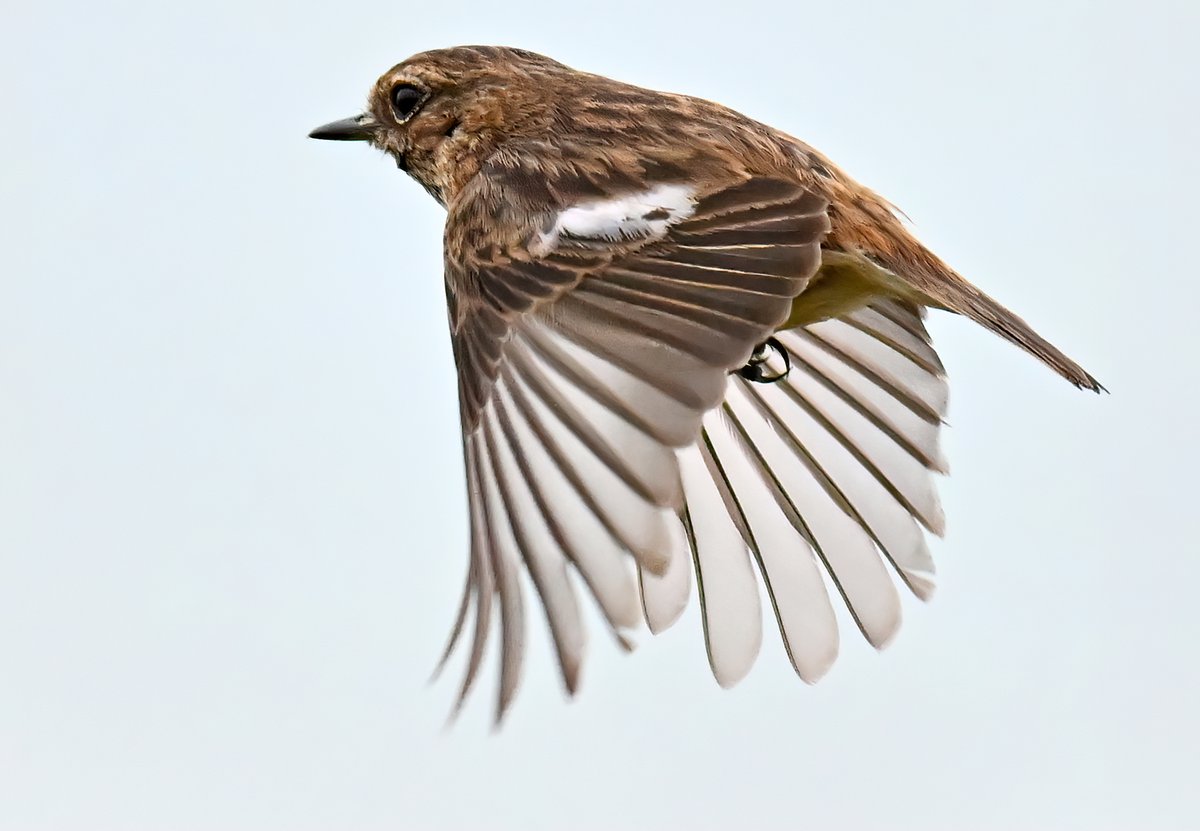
844	282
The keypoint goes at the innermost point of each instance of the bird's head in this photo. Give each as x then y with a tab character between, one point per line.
439	114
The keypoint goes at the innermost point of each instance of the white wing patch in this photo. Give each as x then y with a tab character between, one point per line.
644	215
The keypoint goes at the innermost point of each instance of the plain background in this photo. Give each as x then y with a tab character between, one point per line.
231	505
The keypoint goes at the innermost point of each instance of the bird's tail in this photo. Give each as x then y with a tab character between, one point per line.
957	295
912	274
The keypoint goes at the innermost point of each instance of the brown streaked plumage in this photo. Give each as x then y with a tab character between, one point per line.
685	340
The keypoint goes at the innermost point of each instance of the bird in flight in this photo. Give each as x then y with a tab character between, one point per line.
686	343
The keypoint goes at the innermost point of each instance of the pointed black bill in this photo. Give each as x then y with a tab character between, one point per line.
356	128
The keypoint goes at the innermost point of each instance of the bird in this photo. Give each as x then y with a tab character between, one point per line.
688	346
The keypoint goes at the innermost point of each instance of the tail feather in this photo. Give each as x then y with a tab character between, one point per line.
909	272
970	302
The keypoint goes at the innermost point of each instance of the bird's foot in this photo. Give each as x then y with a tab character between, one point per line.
759	370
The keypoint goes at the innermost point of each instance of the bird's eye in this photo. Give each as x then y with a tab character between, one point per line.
405	99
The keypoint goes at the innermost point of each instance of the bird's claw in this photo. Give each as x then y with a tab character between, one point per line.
756	368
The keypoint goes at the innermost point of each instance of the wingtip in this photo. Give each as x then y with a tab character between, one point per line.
881	635
452	716
503	707
439	668
812	671
571	673
730	670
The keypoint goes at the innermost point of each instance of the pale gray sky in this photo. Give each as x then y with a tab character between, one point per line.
231	510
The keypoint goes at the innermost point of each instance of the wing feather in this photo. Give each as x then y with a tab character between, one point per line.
575	527
589	347
838	455
729	604
665	596
786	561
502	552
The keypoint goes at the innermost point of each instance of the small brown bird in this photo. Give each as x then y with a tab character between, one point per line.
684	339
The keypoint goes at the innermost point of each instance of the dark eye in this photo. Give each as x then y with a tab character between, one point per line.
405	98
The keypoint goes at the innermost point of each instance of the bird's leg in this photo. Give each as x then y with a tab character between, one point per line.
757	369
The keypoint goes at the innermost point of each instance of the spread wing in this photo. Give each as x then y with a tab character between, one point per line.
818	482
595	321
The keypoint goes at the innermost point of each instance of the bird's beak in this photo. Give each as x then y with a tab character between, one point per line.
356	128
